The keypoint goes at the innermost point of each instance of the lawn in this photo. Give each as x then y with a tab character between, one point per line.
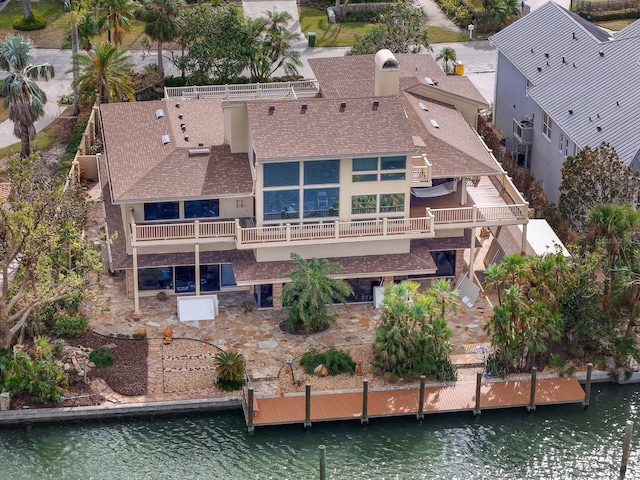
442	35
331	34
616	25
52	35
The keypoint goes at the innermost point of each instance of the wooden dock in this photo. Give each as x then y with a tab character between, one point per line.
306	408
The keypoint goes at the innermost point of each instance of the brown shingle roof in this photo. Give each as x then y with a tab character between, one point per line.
453	148
326	131
353	76
142	168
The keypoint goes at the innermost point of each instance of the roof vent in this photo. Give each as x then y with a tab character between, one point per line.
546	55
186	138
563	60
547	64
423	106
272	108
599	129
183	127
601	53
617	104
180	116
165	139
159	113
198	152
201	144
303	109
376	104
539	69
434	123
590	119
343	105
574	65
532	50
570	112
429	81
574	35
178	105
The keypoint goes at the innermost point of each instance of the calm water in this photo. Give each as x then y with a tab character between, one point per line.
554	443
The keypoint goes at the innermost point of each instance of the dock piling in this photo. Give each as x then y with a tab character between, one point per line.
250	408
323	462
587	387
365	400
532	397
626	447
476	410
307	410
420	414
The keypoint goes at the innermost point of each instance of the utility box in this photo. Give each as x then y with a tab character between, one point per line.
458	69
312	39
331	15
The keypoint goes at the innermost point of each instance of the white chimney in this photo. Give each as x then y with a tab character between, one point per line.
387	74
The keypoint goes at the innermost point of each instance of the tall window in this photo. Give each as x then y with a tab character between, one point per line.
564	144
547	124
373	169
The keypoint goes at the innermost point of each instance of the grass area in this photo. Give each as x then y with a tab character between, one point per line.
331	34
616	25
52	35
442	35
44	139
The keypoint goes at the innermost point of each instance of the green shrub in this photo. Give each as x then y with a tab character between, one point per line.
39	376
230	367
101	358
230	385
556	361
496	366
72	147
336	361
66	324
34	22
339	361
138	336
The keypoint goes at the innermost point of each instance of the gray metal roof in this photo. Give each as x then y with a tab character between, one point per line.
588	82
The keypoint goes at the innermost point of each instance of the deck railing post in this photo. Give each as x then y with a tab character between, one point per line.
421	399
532	397
323	462
250	407
307	406
587	387
476	410
626	447
365	401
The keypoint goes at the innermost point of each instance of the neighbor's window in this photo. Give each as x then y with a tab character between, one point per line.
162	211
547	124
393	202
564	144
363	204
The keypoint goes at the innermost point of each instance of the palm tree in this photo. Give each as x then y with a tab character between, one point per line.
105	75
445	296
24	97
163	24
447	54
116	15
87	27
311	293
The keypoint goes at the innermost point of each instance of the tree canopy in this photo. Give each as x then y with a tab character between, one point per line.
43	257
399	29
593	176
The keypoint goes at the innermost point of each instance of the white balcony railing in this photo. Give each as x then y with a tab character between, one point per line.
247	91
421	170
479	216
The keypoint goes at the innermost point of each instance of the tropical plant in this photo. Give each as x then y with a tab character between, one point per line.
68	324
336	361
447	54
37	373
101	357
311	293
163	24
399	29
268	46
87	27
105	76
230	368
116	15
23	96
412	337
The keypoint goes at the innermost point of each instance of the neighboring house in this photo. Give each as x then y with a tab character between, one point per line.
375	166
563	84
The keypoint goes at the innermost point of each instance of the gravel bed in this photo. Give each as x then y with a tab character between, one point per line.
185	381
181	347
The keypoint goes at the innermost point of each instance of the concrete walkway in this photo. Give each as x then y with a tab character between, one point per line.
435	16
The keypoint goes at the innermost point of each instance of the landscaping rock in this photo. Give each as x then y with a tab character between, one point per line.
321	371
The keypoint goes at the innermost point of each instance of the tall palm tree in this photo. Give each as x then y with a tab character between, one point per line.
23	96
116	15
105	75
88	27
447	54
163	24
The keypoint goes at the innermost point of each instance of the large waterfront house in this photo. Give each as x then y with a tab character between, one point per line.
375	165
562	84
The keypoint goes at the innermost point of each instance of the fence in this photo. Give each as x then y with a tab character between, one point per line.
604	5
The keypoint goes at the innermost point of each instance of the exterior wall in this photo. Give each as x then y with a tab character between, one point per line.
460	263
331	250
546	159
128	281
468	109
277	296
236	126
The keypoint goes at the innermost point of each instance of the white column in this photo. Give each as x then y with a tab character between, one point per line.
524	239
197	255
463	191
472	252
136	300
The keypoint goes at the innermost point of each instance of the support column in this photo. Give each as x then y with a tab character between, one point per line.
587	386
197	262
364	418
420	414
476	410
472	253
136	299
532	395
307	406
277	296
463	191
523	249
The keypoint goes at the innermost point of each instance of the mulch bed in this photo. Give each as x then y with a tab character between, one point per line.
127	375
